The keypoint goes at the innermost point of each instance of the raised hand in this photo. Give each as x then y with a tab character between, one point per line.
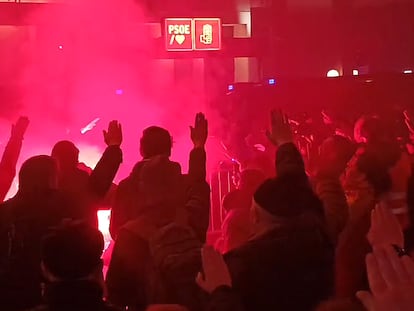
385	229
391	280
113	137
19	129
199	132
216	272
281	131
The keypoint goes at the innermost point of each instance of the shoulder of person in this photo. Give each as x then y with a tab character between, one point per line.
139	228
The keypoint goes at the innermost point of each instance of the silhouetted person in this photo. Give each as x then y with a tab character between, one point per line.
380	173
156	255
155	141
24	221
288	262
72	266
86	190
334	155
11	155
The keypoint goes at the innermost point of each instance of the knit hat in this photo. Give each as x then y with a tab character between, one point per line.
288	196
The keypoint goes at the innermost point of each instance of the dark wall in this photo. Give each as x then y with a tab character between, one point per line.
310	41
159	9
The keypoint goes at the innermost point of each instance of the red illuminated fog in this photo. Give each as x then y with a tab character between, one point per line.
90	62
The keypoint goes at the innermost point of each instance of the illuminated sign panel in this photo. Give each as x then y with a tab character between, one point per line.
207	34
192	34
179	34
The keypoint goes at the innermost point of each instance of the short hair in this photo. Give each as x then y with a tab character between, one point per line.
37	173
66	153
373	128
155	141
288	196
72	251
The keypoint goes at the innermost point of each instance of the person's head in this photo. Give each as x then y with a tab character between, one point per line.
380	152
37	174
373	129
73	252
250	179
335	153
283	200
155	141
66	155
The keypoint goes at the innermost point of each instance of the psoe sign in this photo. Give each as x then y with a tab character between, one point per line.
192	34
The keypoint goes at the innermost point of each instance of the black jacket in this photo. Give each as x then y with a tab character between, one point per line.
24	221
85	190
127	205
127	275
286	269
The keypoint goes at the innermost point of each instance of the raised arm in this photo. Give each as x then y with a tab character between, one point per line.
288	158
334	155
104	172
11	155
198	191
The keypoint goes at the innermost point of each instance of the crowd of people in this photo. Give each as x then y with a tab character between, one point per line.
336	236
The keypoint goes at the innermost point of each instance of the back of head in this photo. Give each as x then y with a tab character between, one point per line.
155	141
72	251
380	152
66	154
373	129
288	197
338	145
37	174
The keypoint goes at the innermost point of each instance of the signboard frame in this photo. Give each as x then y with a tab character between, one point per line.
167	46
168	21
219	34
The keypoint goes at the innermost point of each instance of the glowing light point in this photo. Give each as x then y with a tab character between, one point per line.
119	92
60	47
230	87
271	81
408	71
333	73
260	147
355	72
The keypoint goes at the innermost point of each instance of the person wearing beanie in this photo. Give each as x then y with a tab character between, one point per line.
287	264
72	266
